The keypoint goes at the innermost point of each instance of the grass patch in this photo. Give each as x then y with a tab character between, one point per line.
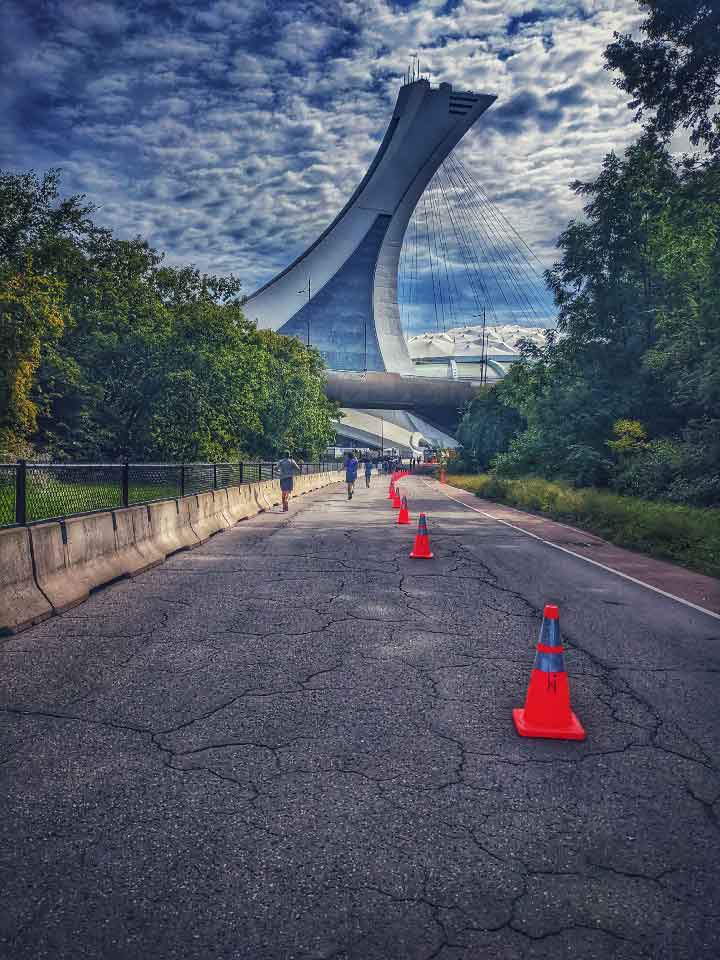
56	499
689	536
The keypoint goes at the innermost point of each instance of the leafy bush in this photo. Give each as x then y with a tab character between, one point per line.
584	466
527	453
487	427
673	470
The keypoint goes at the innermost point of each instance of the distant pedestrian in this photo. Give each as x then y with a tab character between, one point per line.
287	468
351	469
368	471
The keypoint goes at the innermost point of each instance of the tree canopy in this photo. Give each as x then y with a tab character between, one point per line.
107	353
672	71
627	393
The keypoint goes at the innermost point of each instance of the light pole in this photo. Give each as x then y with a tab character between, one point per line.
302	293
483	356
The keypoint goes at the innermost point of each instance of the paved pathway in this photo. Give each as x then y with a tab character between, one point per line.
294	742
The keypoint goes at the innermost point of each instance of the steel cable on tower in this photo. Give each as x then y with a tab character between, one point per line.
432	272
463	215
511	250
435	199
475	278
498	259
482	192
465	233
441	298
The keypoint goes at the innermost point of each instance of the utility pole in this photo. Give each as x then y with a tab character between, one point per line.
302	293
483	351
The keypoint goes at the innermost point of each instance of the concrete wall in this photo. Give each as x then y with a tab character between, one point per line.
48	568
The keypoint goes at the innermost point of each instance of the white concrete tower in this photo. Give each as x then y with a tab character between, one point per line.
352	316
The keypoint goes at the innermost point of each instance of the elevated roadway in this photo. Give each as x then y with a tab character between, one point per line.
440	401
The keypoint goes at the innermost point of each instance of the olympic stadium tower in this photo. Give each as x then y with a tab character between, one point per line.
350	311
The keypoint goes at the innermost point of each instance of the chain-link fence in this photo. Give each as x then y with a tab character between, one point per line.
48	491
7	493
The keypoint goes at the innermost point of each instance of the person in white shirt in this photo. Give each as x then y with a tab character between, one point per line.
287	468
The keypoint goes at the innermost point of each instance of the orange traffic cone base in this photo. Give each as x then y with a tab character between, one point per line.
422	556
572	730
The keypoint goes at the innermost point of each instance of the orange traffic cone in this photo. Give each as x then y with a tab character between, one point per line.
442	476
391	492
403	516
421	550
396	504
547	711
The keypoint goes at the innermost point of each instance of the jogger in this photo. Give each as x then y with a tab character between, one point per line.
287	468
351	469
368	471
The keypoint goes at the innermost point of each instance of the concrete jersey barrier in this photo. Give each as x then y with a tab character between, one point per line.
206	517
22	603
133	537
60	584
241	503
170	525
50	567
268	493
222	507
92	550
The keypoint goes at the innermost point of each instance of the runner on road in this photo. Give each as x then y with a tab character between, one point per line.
351	469
287	468
368	471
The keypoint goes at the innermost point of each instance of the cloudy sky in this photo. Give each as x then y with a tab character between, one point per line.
229	132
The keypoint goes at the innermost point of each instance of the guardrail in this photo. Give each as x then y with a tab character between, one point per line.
31	491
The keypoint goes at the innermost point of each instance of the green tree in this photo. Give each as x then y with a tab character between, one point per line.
672	70
637	287
488	425
32	312
152	361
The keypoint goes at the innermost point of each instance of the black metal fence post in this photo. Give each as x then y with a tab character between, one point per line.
20	492
125	484
182	479
240	464
215	486
272	473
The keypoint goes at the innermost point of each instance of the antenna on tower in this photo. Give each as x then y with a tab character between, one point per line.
413	58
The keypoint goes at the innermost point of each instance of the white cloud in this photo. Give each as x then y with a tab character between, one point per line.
232	132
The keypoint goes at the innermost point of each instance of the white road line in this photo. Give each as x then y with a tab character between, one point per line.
602	566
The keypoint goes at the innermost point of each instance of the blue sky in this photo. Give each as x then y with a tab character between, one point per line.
229	132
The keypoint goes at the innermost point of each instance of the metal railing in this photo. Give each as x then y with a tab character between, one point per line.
31	491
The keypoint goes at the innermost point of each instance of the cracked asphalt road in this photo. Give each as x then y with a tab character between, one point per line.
295	742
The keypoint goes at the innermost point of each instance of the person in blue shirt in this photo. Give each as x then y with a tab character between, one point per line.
368	470
351	469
